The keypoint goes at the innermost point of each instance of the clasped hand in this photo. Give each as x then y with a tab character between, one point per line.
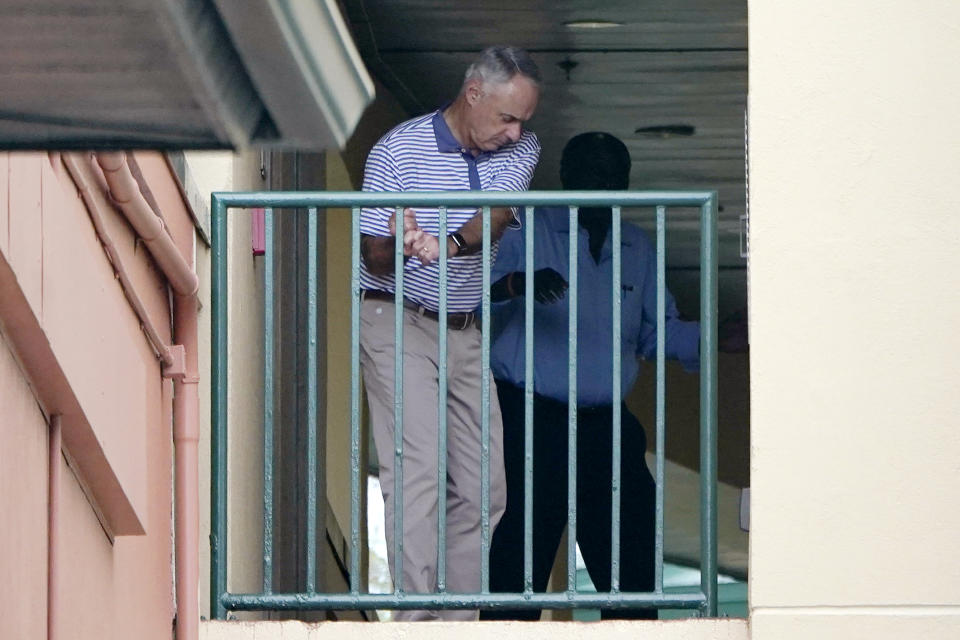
416	242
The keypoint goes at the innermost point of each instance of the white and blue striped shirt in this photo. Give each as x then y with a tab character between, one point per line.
423	155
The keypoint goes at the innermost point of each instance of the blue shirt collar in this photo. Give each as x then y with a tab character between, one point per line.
446	142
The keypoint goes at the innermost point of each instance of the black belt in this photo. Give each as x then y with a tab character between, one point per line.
455	321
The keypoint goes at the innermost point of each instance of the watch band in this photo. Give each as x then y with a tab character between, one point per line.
459	241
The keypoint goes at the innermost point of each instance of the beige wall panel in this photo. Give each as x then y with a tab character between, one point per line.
97	339
338	248
210	172
245	409
854	314
719	629
888	623
23	503
4	203
87	586
26	240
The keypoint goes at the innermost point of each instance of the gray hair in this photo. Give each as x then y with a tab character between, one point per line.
499	64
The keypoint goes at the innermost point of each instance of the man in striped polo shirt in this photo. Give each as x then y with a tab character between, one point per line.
475	143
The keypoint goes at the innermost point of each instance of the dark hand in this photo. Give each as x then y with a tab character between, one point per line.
548	285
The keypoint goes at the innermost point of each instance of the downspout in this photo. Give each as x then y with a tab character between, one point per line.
82	172
180	273
53	527
186	440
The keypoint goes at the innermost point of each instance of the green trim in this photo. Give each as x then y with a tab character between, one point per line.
705	599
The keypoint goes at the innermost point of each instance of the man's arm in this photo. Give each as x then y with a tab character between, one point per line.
682	336
472	230
378	251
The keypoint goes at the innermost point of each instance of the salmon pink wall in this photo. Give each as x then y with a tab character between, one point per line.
23	503
71	345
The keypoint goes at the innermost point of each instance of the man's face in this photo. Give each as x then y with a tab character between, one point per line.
498	111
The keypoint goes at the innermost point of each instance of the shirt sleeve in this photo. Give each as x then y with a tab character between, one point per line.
682	337
380	174
509	312
519	170
510	255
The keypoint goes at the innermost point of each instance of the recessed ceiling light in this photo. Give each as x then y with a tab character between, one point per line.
667	131
592	24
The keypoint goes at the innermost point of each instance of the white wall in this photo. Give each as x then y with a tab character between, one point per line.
854	318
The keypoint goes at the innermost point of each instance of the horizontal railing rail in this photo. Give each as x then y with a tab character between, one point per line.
310	599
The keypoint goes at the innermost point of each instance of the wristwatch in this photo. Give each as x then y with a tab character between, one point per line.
459	241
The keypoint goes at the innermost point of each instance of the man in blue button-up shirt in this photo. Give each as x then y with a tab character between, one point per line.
591	161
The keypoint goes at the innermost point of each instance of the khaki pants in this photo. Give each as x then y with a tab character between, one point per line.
420	449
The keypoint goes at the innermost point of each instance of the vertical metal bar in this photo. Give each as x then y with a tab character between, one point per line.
485	411
268	397
528	406
355	466
661	387
218	409
572	407
442	411
398	407
708	404
617	298
312	251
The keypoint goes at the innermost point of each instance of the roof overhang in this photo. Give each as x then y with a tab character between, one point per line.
189	74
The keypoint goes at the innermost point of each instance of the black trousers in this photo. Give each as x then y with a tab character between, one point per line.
594	486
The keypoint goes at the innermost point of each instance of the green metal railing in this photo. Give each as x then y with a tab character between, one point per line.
221	600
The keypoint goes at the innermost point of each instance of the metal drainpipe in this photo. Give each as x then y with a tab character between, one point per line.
53	526
81	170
180	273
186	439
126	192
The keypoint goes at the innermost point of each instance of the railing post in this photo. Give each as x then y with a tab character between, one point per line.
442	409
528	387
268	398
615	394
661	390
218	409
572	406
485	410
312	417
708	404
398	586
355	464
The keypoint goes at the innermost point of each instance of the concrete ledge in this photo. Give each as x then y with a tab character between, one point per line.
710	629
857	623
